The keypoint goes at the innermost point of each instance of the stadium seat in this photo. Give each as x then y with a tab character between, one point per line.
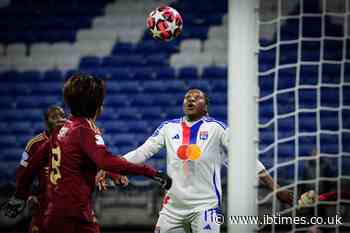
307	122
191	45
330	97
115	127
329	120
17	49
89	62
150	113
165	73
128	114
188	72
329	143
139	127
53	75
213	72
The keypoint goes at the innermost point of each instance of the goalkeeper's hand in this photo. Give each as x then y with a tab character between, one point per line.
307	199
163	179
13	207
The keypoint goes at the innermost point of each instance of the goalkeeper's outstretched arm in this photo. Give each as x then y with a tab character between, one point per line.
285	196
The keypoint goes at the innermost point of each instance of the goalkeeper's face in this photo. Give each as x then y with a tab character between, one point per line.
194	105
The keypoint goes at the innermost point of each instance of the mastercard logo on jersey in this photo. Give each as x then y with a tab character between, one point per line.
189	152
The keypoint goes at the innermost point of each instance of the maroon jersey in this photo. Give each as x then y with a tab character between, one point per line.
31	149
77	152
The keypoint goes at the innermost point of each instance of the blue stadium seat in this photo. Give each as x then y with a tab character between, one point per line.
150	113
267	59
333	50
219	85
123	48
213	72
289	29
108	113
124	139
345	142
330	96
329	120
115	127
219	112
165	73
307	122
53	75
142	74
128	87
117	100
158	59
307	98
128	114
11	155
346	95
286	127
331	73
21	127
266	111
188	72
286	149
217	98
307	145
312	26
266	84
154	86
329	143
288	54
139	127
141	100
89	62
308	74
174	86
164	100
7	141
286	102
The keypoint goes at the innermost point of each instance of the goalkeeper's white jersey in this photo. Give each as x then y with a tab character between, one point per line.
195	153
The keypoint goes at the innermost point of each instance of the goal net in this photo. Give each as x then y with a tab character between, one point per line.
304	106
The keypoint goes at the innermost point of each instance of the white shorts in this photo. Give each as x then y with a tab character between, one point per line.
173	220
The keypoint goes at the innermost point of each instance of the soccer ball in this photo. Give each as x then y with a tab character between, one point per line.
164	23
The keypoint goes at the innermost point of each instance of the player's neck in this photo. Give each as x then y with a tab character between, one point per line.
192	119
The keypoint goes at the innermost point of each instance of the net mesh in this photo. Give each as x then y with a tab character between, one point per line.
304	105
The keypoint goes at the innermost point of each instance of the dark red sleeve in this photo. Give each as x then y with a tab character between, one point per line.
332	196
93	145
25	177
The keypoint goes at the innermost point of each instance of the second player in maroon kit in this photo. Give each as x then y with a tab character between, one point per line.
77	152
54	116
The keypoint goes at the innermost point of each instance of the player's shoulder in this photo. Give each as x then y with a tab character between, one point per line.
215	122
169	122
165	124
78	123
37	139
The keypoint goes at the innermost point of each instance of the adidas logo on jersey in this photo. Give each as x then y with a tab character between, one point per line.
207	227
176	136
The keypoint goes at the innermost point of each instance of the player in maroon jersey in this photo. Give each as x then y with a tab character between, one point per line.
77	152
54	116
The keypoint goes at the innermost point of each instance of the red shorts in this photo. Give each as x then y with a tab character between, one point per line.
58	224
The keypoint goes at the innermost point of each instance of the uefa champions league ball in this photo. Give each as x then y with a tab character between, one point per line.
164	23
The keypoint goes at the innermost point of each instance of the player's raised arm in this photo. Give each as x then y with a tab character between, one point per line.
151	147
93	145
